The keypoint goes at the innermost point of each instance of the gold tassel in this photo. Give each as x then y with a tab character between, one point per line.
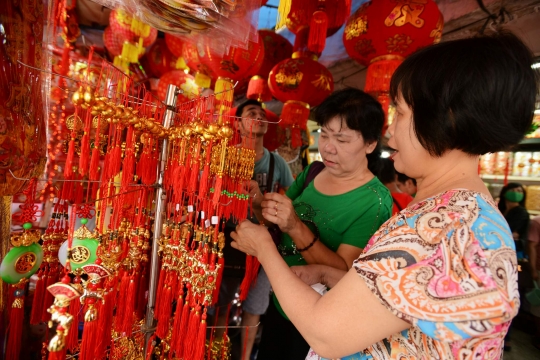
283	11
5	223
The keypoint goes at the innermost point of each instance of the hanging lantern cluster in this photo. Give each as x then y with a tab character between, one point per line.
300	83
380	34
276	49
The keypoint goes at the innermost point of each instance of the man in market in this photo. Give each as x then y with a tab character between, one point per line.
271	174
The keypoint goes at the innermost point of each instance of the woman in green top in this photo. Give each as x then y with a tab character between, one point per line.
330	220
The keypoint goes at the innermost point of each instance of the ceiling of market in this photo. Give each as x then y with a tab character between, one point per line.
463	18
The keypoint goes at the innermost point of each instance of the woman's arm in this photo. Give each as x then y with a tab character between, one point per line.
322	320
313	274
279	210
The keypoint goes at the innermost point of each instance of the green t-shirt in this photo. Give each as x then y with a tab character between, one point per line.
350	218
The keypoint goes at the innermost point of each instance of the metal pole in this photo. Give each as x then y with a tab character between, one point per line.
149	328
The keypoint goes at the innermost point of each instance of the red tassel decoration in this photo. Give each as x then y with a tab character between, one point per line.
184	322
162	275
72	340
141	293
84	159
217	190
15	327
127	323
246	282
317	32
201	339
177	321
94	164
221	263
35	315
57	355
191	336
48	297
89	340
165	312
203	182
121	302
68	169
105	322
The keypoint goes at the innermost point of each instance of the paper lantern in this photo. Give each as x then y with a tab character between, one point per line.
175	44
276	49
158	59
299	83
183	81
128	28
385	27
380	34
238	63
204	76
302	11
258	89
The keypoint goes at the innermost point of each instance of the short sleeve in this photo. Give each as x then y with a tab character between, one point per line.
370	218
534	231
297	186
437	277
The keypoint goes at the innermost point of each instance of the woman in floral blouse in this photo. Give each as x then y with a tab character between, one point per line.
439	279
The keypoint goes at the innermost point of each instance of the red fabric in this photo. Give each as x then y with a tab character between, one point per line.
402	199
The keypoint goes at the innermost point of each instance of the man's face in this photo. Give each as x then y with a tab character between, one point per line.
253	121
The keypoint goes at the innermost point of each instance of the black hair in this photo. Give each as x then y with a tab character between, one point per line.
504	190
241	107
361	112
476	95
387	172
402	178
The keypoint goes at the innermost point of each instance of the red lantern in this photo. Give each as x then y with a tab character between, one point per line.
112	42
299	83
183	81
380	34
238	63
257	89
386	27
130	29
174	44
276	49
158	59
203	74
302	11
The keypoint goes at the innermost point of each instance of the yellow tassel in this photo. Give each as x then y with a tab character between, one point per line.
181	64
283	11
224	90
139	28
203	81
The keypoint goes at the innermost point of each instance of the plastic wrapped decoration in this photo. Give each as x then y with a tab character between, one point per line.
183	81
299	82
159	60
301	13
114	43
122	24
204	76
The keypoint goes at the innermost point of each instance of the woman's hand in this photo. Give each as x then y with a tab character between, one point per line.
251	239
255	194
279	210
310	274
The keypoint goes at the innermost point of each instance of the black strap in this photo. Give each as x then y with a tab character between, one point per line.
270	178
397	204
314	170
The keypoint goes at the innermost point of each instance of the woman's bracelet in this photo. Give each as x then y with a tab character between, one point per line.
310	245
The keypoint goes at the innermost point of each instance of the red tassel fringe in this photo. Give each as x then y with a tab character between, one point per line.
15	327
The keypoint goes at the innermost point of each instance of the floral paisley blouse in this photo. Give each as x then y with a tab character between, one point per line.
446	265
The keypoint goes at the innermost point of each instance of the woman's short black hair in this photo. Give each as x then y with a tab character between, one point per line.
361	112
241	107
476	95
504	190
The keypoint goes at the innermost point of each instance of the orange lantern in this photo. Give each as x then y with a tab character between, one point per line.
128	28
299	82
380	34
158	59
203	74
183	81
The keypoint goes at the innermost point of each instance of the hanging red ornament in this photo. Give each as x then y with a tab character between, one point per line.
183	81
276	49
302	11
299	82
380	34
158	59
258	89
129	28
175	44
